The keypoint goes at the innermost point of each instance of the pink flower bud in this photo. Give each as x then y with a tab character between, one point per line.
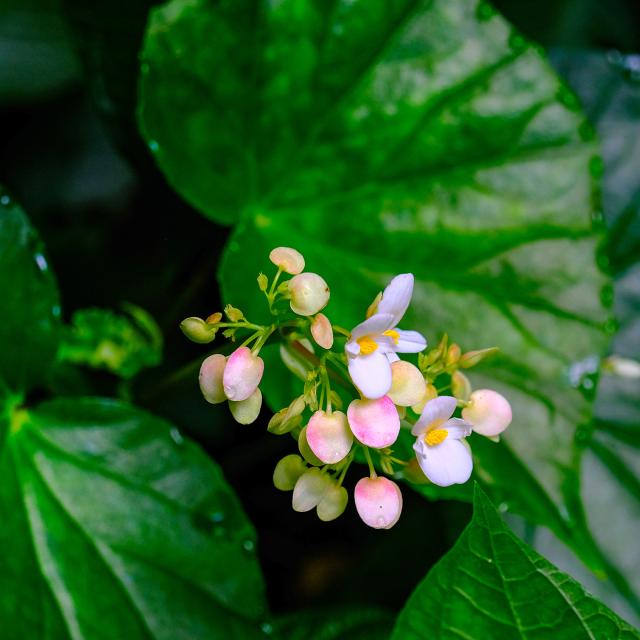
488	412
288	259
322	331
374	422
407	384
329	436
378	501
310	489
309	294
210	378
242	374
246	411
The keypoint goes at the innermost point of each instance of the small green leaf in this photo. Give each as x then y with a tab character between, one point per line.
492	585
116	526
121	344
29	328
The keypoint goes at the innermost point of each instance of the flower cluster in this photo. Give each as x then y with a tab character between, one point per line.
389	402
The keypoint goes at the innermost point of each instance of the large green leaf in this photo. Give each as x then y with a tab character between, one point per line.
386	137
30	307
115	526
492	585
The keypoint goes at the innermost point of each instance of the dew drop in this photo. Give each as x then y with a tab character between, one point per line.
56	311
176	436
266	628
381	521
41	261
249	545
503	507
154	146
217	516
5	200
484	11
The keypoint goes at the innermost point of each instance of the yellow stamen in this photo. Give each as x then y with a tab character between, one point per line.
435	436
367	345
393	334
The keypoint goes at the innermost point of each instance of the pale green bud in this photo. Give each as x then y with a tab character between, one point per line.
309	293
309	490
287	472
263	282
197	330
246	411
233	314
305	449
333	503
460	386
472	358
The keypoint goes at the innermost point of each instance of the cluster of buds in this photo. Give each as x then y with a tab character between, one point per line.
386	398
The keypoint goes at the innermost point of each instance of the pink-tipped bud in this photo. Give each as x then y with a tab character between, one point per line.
333	503
310	489
488	412
210	378
378	501
407	384
242	374
374	422
329	436
247	411
287	472
309	293
322	331
287	259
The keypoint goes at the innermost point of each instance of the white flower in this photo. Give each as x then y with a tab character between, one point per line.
374	343
442	453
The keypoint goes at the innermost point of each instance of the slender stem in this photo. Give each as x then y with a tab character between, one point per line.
342	331
372	472
316	362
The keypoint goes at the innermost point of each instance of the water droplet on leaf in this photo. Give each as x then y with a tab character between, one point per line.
176	436
249	545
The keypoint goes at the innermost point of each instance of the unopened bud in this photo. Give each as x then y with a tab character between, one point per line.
310	489
210	378
322	331
374	422
429	394
197	330
472	358
453	354
378	502
460	386
333	503
242	374
263	282
309	294
287	472
287	259
305	449
329	436
233	314
247	411
214	318
407	384
288	418
488	412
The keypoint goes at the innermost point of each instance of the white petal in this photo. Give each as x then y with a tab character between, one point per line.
457	428
397	296
440	408
410	342
447	463
371	374
392	357
375	324
352	348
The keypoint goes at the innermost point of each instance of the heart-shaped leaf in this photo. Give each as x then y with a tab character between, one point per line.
115	526
492	585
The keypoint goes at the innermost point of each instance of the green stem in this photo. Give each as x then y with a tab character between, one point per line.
372	470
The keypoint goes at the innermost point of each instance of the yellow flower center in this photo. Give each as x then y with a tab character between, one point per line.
367	345
435	436
393	334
